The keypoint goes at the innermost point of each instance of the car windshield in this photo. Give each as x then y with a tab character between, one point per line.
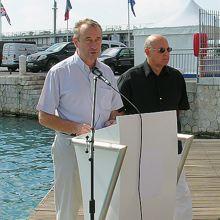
56	47
110	52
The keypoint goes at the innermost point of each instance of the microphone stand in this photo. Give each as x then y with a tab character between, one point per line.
90	143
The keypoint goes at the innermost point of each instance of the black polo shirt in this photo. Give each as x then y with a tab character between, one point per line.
152	93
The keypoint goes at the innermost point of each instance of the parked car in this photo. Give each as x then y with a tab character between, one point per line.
44	60
109	43
42	48
12	51
119	59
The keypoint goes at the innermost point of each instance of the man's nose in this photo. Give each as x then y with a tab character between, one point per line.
93	44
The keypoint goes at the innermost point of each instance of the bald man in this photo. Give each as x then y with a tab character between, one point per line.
153	86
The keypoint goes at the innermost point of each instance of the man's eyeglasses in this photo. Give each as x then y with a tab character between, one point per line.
162	49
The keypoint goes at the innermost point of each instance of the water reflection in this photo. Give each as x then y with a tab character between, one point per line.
25	166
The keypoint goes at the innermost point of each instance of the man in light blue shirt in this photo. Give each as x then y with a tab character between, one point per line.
65	106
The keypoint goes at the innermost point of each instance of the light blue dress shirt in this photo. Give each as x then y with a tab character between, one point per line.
68	92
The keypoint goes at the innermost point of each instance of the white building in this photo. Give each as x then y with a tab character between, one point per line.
178	29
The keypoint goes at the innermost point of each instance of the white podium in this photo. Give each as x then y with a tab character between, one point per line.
147	181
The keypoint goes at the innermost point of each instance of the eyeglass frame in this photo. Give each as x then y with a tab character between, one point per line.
162	49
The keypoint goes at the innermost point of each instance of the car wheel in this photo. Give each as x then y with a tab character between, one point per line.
35	71
51	63
11	69
112	68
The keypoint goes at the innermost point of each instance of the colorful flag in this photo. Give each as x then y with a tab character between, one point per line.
4	13
132	3
68	8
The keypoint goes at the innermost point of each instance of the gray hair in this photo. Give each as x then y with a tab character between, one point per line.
87	21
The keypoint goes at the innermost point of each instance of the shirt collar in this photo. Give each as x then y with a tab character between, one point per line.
84	67
148	70
80	63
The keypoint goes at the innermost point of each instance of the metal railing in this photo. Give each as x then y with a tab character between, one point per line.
122	27
209	54
209	62
184	60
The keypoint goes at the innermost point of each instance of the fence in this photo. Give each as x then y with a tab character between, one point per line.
185	61
209	54
209	64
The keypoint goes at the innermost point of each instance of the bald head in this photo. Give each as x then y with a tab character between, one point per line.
153	39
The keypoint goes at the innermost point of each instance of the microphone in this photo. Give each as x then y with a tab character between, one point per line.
99	74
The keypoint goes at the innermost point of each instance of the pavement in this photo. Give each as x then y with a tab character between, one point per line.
4	72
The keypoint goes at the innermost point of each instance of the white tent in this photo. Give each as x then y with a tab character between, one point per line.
178	29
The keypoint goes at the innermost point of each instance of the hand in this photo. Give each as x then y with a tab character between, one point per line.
82	129
110	122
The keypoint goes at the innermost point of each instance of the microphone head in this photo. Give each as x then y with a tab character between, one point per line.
96	71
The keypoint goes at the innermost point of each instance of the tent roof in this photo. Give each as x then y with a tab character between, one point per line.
187	16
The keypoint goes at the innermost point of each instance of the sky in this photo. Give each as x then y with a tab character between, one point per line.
36	15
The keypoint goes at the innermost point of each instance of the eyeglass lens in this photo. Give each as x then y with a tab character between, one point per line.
162	49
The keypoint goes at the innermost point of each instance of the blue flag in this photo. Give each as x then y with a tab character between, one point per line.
68	8
132	3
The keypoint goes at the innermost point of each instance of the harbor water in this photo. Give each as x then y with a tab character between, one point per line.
26	171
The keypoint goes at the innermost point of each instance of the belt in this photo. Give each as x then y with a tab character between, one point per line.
72	135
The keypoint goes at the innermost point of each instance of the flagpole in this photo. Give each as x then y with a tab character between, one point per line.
1	21
66	16
54	20
67	30
129	43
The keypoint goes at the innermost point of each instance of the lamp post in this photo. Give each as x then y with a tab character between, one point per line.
54	19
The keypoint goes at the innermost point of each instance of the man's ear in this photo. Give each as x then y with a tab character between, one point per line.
147	51
75	41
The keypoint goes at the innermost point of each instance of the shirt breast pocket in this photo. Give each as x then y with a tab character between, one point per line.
106	98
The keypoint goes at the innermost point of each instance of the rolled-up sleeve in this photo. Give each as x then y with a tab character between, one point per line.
50	95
